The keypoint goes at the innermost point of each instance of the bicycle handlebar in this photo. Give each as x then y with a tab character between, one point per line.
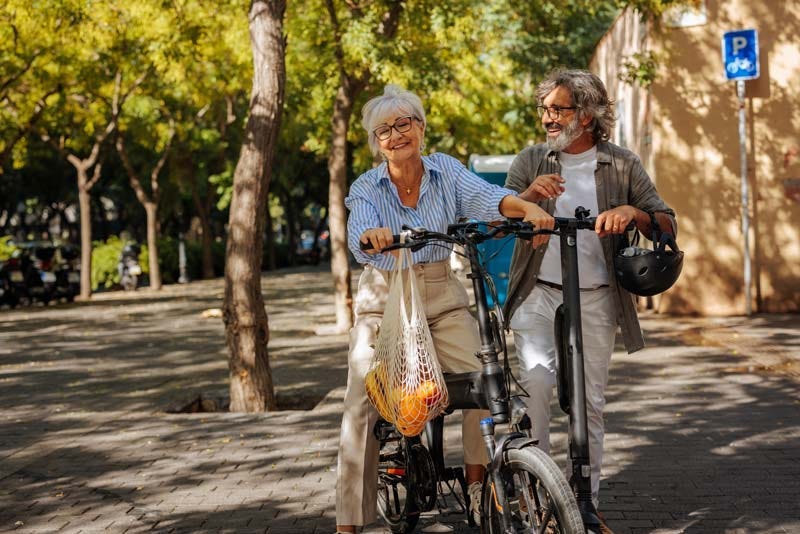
471	233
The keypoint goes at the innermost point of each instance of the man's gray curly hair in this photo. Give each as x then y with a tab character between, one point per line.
588	93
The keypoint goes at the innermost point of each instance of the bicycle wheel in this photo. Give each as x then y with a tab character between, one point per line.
396	502
539	497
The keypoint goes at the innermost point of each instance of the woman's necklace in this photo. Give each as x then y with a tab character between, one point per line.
406	187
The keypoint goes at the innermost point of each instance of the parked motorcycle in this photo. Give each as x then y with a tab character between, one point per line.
17	270
7	295
40	279
128	267
68	274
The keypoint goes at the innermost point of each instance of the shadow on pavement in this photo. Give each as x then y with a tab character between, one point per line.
702	435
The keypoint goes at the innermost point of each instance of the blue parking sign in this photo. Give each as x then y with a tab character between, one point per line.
740	54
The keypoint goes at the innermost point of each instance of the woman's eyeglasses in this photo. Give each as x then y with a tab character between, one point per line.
402	125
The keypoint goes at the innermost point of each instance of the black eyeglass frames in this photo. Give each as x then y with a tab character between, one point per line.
555	112
402	125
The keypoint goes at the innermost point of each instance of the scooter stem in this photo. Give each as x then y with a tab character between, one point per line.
578	427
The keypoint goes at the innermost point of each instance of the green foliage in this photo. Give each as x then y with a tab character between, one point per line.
455	55
653	9
639	69
223	184
105	257
7	247
474	63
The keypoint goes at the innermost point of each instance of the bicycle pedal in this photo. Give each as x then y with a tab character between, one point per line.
385	431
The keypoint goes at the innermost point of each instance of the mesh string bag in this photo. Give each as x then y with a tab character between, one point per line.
405	381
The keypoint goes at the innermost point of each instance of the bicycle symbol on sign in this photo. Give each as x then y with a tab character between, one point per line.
739	64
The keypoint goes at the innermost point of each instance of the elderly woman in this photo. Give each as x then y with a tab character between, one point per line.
432	192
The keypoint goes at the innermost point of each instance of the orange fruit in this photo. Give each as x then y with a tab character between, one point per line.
412	414
429	392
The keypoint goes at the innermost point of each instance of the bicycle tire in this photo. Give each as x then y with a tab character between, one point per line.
533	482
396	503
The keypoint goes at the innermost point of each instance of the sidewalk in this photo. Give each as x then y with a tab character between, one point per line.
703	425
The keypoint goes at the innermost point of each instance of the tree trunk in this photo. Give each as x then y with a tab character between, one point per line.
151	209
337	215
85	205
246	323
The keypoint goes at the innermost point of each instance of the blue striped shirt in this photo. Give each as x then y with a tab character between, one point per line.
449	191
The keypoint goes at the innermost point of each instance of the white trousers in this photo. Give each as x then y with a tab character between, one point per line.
536	349
456	340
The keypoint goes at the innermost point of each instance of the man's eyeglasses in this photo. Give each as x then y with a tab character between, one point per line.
402	125
554	112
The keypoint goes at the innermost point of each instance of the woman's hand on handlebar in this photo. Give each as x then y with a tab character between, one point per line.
615	221
379	238
541	220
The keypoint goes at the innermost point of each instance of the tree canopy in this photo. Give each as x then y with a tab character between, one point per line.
79	73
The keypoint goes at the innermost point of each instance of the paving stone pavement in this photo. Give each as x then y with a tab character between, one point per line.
703	426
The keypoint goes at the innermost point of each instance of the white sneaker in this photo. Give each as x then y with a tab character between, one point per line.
474	491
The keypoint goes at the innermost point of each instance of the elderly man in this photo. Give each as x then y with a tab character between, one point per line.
577	166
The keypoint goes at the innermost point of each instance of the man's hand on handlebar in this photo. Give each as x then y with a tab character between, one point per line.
378	238
615	221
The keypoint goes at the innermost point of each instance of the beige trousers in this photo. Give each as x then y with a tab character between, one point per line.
536	350
456	340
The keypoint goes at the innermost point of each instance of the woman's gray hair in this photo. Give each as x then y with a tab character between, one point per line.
378	109
588	93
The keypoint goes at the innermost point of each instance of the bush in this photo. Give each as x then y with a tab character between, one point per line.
105	258
7	247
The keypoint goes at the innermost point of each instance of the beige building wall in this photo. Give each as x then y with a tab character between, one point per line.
686	130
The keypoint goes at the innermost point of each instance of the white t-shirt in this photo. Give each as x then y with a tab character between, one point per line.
580	190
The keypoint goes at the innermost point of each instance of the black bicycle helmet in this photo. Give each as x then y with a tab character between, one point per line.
647	272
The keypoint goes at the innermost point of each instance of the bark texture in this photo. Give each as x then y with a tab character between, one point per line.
246	322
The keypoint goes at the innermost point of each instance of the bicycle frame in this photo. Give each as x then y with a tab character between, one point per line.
484	389
489	389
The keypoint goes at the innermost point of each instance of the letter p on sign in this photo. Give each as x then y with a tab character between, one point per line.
738	44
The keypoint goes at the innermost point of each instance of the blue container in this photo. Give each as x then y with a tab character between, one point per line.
497	252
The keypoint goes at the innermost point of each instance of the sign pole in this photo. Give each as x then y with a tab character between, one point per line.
740	57
745	203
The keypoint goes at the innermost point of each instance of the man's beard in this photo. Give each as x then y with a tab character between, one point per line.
566	137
